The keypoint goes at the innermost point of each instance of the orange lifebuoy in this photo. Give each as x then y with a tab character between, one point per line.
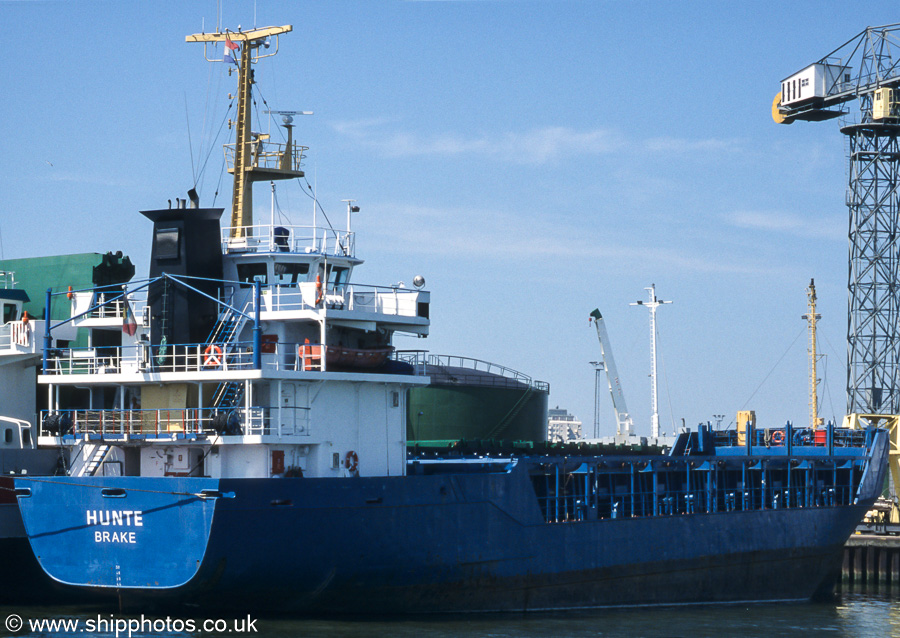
778	437
351	461
212	356
319	295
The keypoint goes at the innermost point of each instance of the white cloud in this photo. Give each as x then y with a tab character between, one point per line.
678	145
535	146
829	227
483	235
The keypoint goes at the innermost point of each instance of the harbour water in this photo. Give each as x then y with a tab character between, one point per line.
856	612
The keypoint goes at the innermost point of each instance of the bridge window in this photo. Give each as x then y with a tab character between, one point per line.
9	312
8	435
249	273
337	276
288	274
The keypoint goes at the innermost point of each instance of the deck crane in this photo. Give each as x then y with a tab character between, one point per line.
624	423
867	69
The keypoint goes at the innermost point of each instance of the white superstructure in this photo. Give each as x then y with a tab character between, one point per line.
277	364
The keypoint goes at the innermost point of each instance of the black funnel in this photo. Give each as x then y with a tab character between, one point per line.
186	241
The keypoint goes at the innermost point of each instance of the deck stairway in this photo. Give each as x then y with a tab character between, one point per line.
95	460
228	394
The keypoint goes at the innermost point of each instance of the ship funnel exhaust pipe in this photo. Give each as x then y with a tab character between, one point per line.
195	198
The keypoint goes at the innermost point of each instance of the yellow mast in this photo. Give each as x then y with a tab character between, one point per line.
251	160
811	317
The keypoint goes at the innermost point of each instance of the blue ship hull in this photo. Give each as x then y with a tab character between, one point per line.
481	554
442	542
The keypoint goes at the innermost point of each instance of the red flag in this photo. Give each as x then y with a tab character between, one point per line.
129	323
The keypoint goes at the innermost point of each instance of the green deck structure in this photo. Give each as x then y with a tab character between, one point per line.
35	274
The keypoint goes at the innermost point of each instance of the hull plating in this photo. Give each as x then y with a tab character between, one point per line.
428	544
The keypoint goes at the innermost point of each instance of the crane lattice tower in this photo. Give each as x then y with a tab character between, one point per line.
865	68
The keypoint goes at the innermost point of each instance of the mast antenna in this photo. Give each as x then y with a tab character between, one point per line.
652	304
811	318
252	157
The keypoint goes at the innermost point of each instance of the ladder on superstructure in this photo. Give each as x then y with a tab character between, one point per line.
228	394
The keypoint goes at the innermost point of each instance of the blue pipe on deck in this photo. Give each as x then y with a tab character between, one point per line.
257	329
789	437
46	331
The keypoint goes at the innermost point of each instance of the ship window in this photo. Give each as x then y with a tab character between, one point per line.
287	274
337	276
248	273
26	438
9	312
166	243
7	436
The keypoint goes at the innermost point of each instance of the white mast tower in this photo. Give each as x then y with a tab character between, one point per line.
653	304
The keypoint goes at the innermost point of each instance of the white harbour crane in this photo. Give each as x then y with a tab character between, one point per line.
624	422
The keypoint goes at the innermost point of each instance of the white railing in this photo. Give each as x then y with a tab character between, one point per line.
199	357
286	356
7	279
19	337
105	305
289	239
401	302
175	423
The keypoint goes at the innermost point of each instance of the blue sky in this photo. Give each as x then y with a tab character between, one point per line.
532	160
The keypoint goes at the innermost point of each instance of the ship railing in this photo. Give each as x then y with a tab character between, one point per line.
418	359
310	357
439	362
385	300
21	337
7	279
175	423
266	238
268	155
197	357
106	304
589	493
776	437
